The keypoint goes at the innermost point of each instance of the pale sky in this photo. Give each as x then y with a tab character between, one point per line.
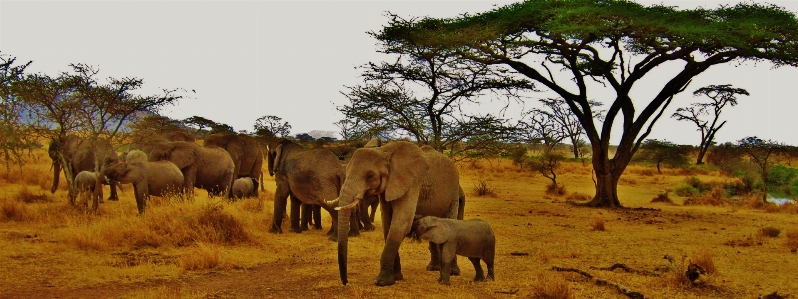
293	58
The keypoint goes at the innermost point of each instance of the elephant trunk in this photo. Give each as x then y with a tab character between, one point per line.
345	205
56	175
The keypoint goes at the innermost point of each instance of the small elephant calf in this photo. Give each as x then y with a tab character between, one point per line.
471	238
87	183
245	187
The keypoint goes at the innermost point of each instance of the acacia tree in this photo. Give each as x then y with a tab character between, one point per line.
759	153
14	135
421	93
721	96
616	43
75	103
274	125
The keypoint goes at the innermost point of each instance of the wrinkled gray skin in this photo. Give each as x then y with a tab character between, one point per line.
89	184
148	178
245	187
210	168
309	176
80	152
409	181
472	238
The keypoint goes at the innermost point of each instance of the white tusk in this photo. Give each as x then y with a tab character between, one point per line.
349	206
332	202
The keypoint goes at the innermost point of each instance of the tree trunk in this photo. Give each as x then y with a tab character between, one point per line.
701	152
607	175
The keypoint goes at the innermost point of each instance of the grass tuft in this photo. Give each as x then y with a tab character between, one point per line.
27	196
551	287
792	239
597	224
556	189
203	257
769	231
483	189
662	197
221	226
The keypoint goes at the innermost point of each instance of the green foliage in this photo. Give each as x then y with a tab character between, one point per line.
663	152
685	190
727	157
14	133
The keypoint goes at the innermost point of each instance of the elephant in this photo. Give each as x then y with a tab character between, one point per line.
307	176
366	219
409	181
210	168
148	178
472	238
245	152
82	154
244	187
147	143
343	152
89	184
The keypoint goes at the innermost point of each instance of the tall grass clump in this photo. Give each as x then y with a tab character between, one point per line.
482	189
25	195
597	224
769	231
551	287
12	210
220	227
556	189
202	257
662	197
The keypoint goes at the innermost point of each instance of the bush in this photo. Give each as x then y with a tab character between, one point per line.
704	259
685	190
662	197
716	197
556	189
769	231
221	227
482	189
576	196
792	239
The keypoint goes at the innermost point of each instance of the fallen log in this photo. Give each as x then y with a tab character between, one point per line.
602	282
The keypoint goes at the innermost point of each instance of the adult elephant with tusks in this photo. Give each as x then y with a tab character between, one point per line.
410	181
81	152
306	176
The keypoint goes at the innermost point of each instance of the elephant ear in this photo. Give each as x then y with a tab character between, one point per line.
406	168
182	154
436	231
278	152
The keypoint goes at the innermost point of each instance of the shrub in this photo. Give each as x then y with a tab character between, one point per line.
482	189
547	287
662	197
704	259
221	227
556	189
769	231
685	190
14	211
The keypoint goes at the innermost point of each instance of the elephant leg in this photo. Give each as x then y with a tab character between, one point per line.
306	211
354	229
397	218
435	257
189	181
280	201
295	207
113	196
448	252
316	216
478	268
141	191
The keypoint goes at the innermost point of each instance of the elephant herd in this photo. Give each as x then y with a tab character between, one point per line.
408	182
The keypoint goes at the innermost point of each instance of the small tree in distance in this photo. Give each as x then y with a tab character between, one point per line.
760	153
721	95
663	152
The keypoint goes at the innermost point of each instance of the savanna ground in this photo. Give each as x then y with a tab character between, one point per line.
211	248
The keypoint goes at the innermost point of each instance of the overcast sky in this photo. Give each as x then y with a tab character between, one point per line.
293	58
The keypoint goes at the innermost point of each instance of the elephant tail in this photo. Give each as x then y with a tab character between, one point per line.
461	205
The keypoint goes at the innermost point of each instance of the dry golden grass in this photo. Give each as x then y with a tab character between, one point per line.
769	231
551	287
214	248
597	224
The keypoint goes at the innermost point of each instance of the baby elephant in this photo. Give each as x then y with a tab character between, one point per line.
88	183
471	238
244	187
